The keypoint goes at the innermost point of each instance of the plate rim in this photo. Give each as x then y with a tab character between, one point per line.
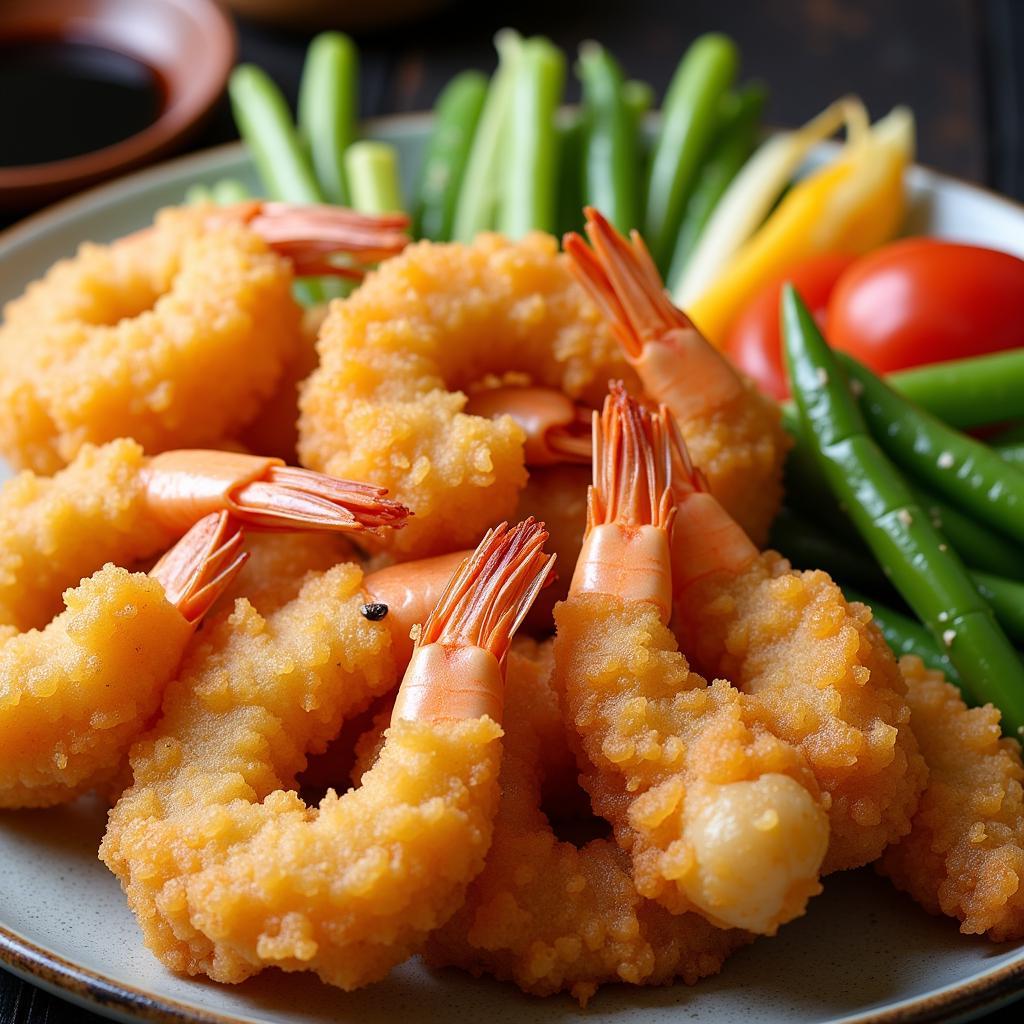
95	991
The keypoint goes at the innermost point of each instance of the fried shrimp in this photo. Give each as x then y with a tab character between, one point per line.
823	677
719	814
226	868
964	856
112	504
551	916
75	695
424	335
734	432
174	335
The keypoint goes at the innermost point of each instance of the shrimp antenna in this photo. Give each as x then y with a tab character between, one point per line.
199	568
492	590
621	278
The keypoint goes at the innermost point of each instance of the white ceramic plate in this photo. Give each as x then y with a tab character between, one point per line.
862	954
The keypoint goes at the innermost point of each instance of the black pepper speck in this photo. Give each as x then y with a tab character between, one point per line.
374	611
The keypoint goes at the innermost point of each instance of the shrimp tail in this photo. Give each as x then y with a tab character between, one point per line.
199	568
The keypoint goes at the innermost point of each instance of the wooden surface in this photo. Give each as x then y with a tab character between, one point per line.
956	63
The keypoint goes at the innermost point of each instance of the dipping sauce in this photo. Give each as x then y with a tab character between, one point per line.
64	97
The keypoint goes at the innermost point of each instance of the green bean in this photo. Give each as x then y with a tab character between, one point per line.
807	547
569	202
477	206
740	118
265	123
1013	454
688	121
966	471
228	191
639	98
530	186
610	156
444	160
1010	445
372	172
914	555
1007	600
905	636
328	101
980	548
967	392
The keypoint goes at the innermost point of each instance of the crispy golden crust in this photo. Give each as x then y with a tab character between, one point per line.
826	681
54	531
546	914
652	735
395	358
226	868
965	853
75	695
174	336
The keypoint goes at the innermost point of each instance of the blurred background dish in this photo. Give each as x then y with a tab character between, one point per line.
155	70
347	14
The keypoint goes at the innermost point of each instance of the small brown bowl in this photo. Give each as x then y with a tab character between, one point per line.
190	44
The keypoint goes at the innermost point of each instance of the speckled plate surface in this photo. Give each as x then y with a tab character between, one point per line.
862	954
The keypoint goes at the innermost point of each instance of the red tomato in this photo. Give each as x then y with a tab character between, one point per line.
922	300
754	342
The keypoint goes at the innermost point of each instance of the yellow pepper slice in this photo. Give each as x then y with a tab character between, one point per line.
852	204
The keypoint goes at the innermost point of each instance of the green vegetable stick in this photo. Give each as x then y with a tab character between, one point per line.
639	98
372	172
456	115
328	101
265	123
689	117
967	472
610	156
477	206
1007	600
569	199
228	191
530	170
740	119
915	557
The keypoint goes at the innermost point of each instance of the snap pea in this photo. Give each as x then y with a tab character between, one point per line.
689	117
905	636
328	98
610	156
569	129
967	472
456	115
967	392
739	118
265	123
914	555
477	206
528	200
372	171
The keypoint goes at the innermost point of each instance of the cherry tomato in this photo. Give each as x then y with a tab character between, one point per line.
922	300
754	343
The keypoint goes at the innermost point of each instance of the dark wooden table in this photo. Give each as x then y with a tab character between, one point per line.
958	64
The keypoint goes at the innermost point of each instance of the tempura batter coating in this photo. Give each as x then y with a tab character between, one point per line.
397	356
75	695
964	855
662	750
174	336
551	916
825	680
228	871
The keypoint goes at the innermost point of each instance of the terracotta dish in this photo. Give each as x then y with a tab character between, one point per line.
189	44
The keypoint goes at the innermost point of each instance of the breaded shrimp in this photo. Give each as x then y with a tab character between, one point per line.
174	335
548	915
226	868
718	814
823	677
74	696
964	855
400	356
112	504
733	431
